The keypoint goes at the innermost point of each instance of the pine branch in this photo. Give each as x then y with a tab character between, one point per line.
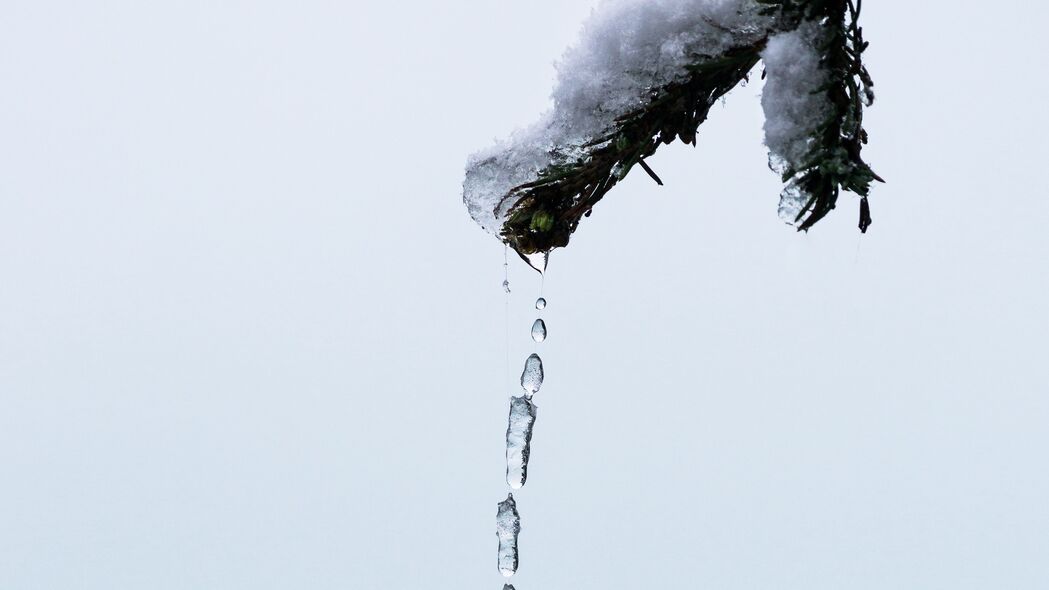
835	162
548	210
650	172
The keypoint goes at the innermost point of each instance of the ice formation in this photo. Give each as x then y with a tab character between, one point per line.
519	440
628	49
507	528
794	107
532	375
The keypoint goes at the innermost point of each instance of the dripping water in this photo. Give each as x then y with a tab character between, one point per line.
520	422
507	527
518	441
539	330
532	375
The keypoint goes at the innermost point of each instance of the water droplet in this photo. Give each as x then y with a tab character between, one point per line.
537	260
539	330
519	440
507	528
540	304
506	286
532	376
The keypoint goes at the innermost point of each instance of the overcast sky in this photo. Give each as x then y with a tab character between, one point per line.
250	338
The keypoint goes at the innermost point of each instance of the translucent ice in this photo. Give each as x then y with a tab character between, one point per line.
519	440
532	376
539	330
507	527
792	202
540	304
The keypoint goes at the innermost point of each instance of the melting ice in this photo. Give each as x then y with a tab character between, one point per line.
519	440
540	304
507	527
532	376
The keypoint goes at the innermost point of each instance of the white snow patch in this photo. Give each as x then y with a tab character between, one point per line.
794	108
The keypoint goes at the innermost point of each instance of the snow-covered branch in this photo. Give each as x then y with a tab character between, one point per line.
646	73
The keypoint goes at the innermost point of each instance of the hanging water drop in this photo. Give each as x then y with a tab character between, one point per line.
506	285
532	376
540	304
539	330
507	527
519	441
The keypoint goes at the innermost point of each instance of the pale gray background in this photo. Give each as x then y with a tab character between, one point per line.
249	337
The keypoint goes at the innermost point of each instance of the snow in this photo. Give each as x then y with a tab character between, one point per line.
793	107
627	49
519	440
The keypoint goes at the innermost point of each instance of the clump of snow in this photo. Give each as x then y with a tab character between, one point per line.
794	107
628	48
